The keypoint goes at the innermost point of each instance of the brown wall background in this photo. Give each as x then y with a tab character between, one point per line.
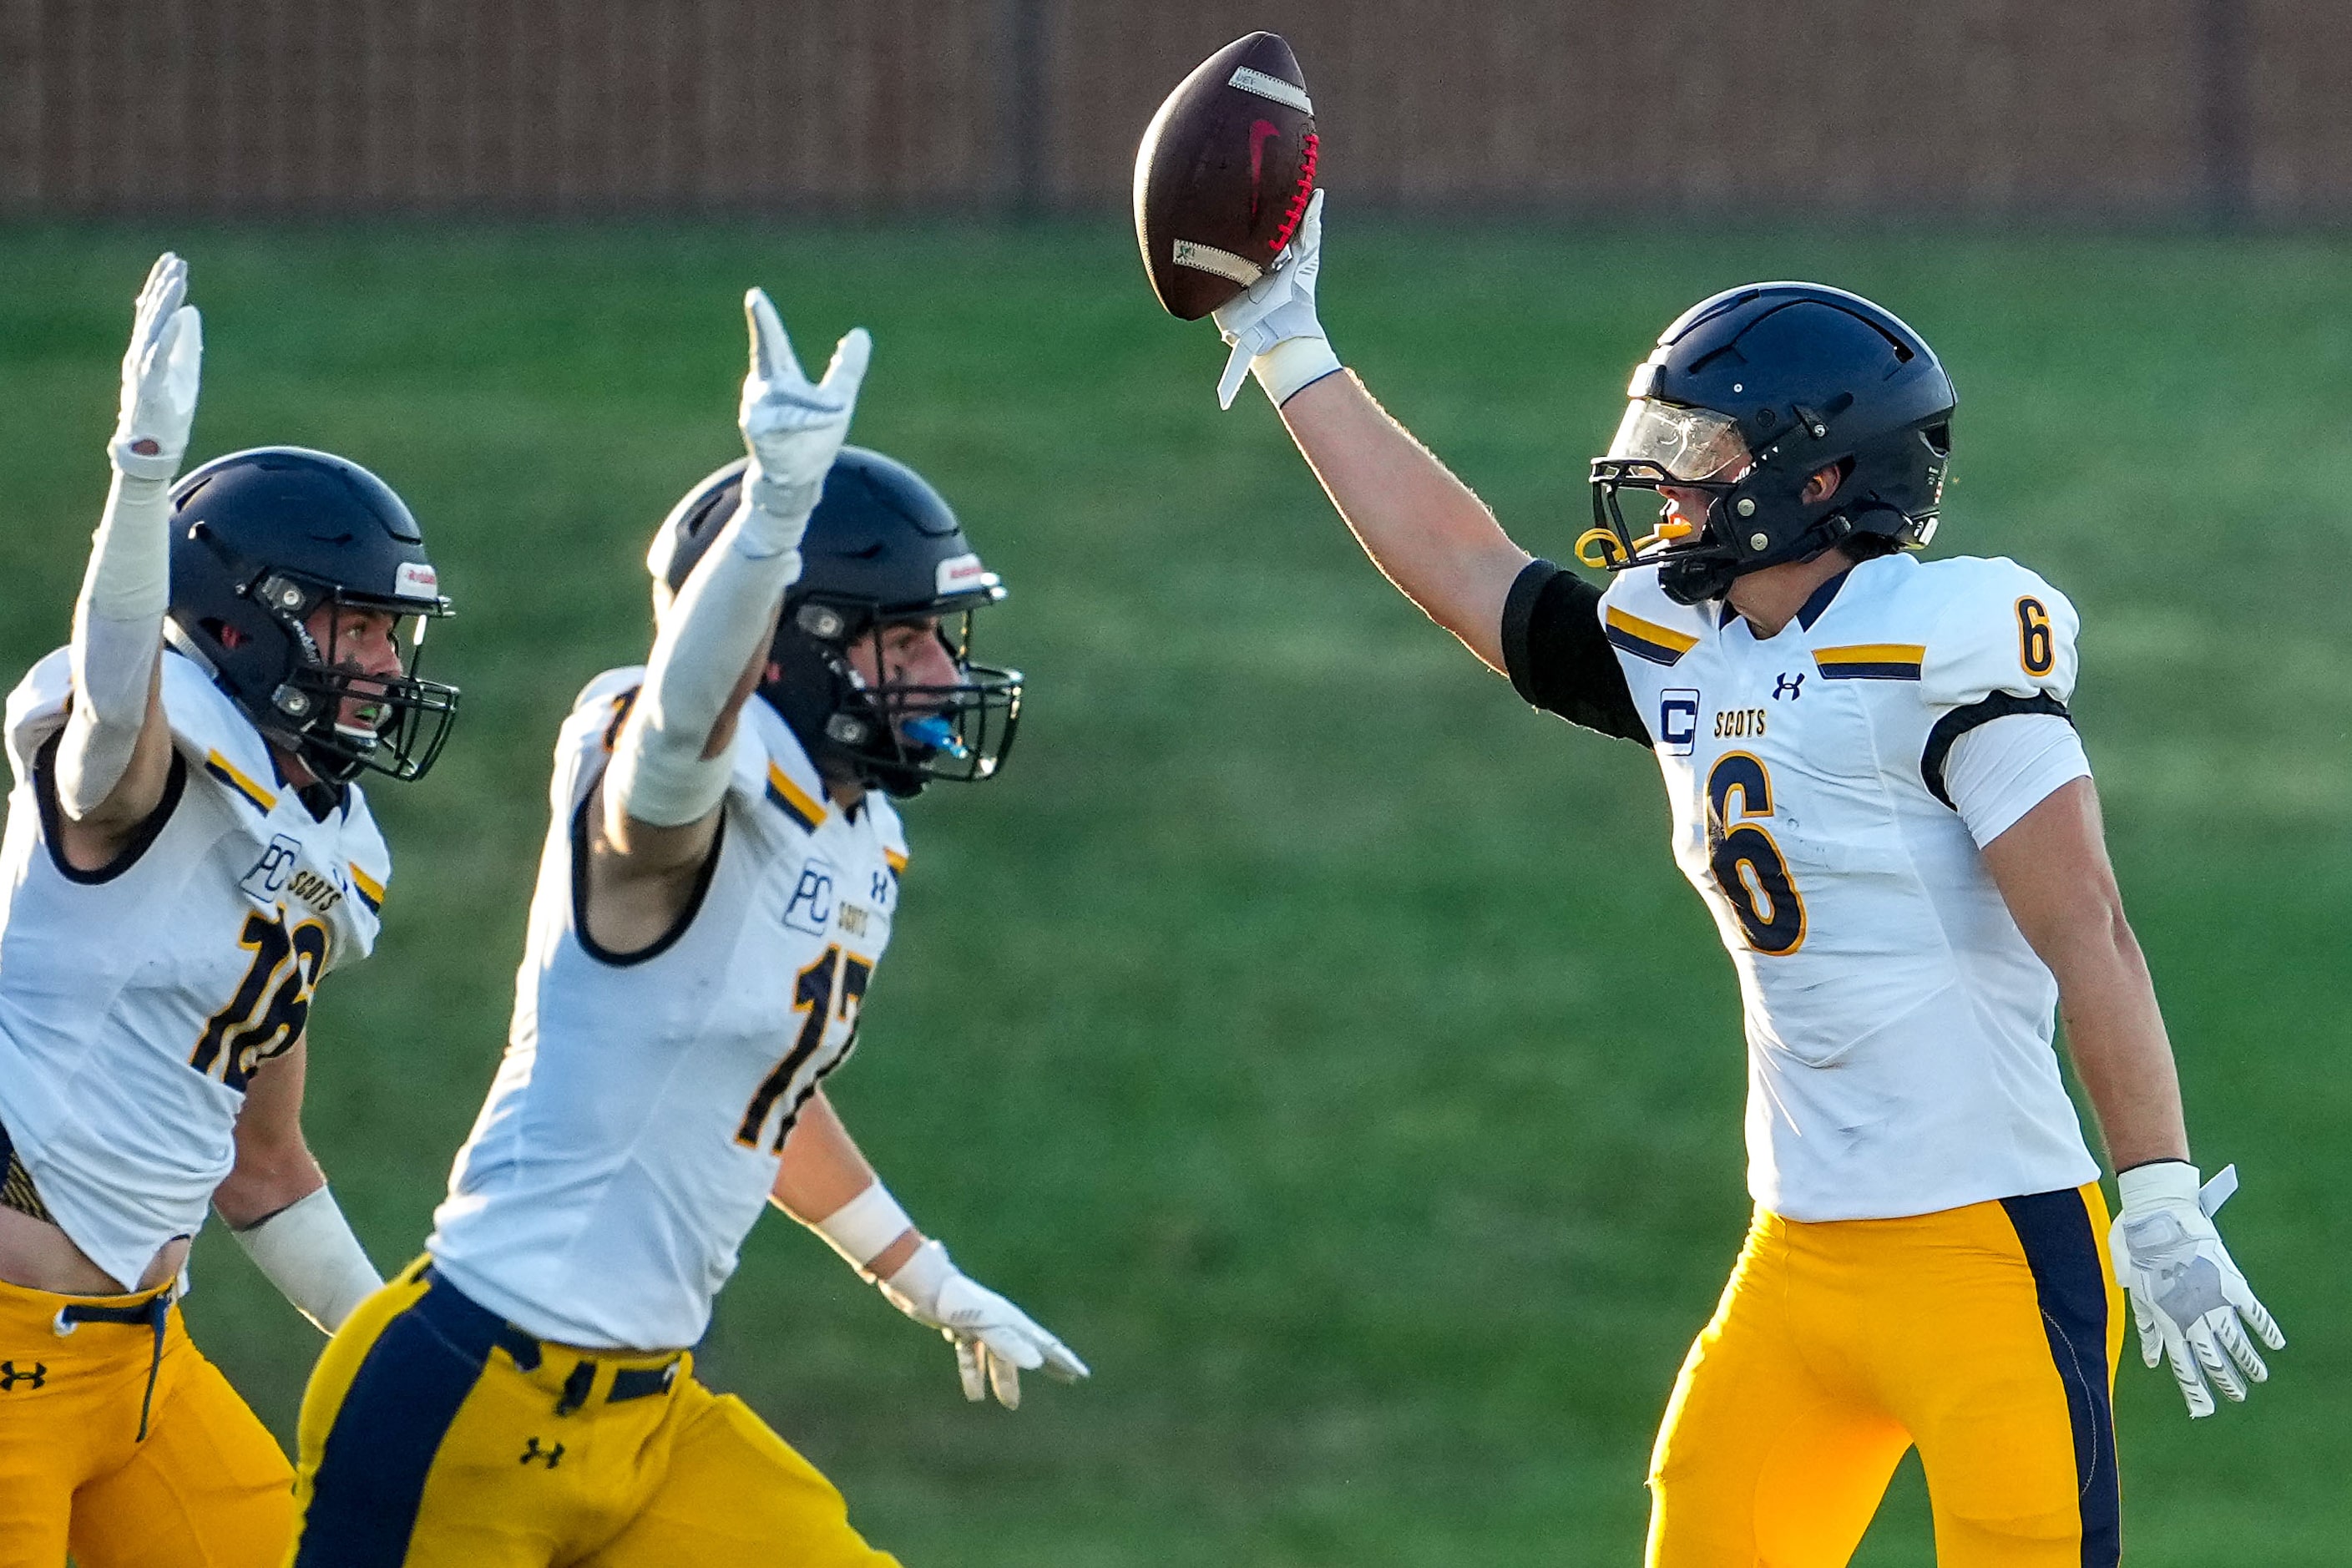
1985	108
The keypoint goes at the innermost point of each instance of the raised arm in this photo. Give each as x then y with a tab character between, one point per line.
824	1183
113	761
658	814
1422	526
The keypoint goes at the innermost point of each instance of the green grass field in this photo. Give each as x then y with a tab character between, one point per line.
1319	1040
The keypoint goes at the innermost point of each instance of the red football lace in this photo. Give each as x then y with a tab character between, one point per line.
1298	208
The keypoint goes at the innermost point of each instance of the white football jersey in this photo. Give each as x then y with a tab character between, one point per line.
135	1001
633	1131
1898	1025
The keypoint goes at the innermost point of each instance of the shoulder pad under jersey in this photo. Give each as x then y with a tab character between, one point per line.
588	733
1642	623
215	737
889	829
219	742
1993	627
367	857
37	708
771	764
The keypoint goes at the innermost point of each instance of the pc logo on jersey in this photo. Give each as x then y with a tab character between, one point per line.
272	871
1677	721
810	909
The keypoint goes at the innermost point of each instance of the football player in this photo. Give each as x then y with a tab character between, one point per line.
188	853
1878	792
718	883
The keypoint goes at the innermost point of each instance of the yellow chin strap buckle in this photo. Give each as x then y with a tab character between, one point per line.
1600	550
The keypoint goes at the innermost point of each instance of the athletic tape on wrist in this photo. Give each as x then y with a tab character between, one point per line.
309	1252
863	1228
1292	365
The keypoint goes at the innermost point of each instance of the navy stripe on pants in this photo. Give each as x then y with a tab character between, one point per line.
2055	1230
372	1468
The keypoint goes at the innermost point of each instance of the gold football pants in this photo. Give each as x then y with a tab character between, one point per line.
434	1435
205	1487
1985	1335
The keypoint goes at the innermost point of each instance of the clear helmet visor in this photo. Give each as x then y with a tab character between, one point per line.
1682	442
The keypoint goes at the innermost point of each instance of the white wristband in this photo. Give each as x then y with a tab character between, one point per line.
863	1228
1292	365
309	1252
2158	1182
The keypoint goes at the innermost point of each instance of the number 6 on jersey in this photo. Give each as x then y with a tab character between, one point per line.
1747	862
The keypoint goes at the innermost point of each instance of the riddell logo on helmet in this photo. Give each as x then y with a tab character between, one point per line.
960	575
413	581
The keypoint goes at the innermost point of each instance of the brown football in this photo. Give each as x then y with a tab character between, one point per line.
1223	174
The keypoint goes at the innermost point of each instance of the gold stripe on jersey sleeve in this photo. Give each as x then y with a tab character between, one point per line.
795	800
222	769
1871	661
897	862
370	892
1645	639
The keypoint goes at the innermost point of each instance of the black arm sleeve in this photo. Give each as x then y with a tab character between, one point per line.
1558	658
1960	721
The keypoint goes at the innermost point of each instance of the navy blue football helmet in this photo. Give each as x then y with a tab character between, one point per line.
1748	395
262	538
882	547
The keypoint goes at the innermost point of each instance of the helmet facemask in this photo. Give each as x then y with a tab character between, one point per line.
1749	397
896	736
1658	445
338	719
390	725
1759	512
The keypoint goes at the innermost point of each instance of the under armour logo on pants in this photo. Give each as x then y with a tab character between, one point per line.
10	1377
547	1457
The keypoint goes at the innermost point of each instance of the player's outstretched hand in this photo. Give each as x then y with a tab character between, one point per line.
2191	1304
1280	308
791	428
995	1341
159	372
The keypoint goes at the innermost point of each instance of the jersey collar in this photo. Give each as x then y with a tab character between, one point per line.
1819	604
1812	609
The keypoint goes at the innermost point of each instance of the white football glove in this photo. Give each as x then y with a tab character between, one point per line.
2187	1296
995	1341
159	372
792	428
1278	312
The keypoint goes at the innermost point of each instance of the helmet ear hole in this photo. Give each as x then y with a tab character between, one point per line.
220	631
1938	438
822	622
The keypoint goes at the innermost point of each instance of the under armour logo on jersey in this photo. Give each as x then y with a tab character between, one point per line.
1788	686
548	1457
10	1377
